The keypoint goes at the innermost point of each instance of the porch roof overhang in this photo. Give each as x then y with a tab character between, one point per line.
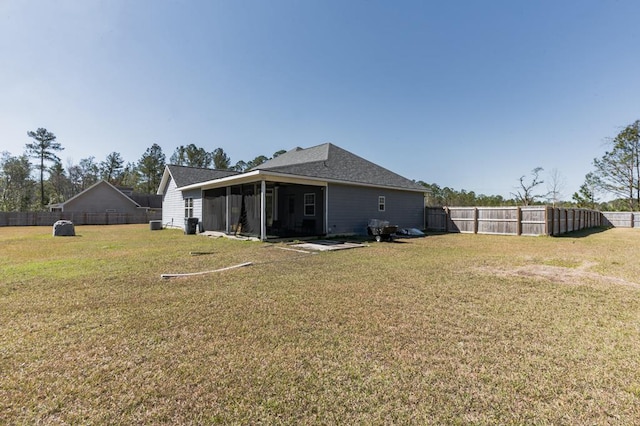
265	175
252	177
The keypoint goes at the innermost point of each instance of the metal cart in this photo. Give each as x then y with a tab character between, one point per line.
381	230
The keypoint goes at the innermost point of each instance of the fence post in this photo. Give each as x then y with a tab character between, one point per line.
475	220
424	219
518	220
446	219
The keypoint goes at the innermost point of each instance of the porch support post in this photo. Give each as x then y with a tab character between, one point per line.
326	209
227	211
263	210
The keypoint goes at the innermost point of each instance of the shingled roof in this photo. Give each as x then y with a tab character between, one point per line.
328	161
184	175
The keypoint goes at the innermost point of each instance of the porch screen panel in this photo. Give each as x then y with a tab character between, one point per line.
207	210
245	209
215	210
252	207
235	208
218	214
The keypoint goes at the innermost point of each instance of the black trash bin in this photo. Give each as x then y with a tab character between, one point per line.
190	225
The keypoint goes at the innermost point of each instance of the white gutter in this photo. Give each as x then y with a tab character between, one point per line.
263	215
326	210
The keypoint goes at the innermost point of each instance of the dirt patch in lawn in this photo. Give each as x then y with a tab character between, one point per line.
560	274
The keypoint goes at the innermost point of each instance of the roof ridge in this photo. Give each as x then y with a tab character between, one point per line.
96	184
334	162
200	168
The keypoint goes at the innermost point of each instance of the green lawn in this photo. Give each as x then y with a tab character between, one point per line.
444	329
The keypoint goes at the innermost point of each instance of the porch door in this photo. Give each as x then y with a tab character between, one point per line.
214	212
291	212
270	206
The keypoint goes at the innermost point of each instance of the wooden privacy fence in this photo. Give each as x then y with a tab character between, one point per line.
49	218
621	219
534	220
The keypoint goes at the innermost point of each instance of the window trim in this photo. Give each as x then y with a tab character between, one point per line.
382	203
188	207
312	205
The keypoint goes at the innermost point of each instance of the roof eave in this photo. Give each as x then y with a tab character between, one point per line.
214	183
86	191
258	175
166	175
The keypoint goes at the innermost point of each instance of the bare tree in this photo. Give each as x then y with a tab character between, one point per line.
524	192
555	186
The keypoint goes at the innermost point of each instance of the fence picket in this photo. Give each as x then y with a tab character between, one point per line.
49	218
527	220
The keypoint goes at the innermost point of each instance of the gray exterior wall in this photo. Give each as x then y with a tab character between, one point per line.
173	205
351	207
99	199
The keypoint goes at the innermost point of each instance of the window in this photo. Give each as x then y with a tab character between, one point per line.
309	204
381	203
188	207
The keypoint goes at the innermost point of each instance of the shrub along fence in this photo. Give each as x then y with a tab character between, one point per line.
49	218
531	220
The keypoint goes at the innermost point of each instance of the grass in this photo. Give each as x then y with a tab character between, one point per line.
451	329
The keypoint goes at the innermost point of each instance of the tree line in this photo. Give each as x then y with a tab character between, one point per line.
616	174
55	182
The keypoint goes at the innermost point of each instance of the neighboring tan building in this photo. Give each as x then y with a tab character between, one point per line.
103	197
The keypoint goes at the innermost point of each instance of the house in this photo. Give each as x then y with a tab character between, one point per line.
150	201
179	203
103	197
322	190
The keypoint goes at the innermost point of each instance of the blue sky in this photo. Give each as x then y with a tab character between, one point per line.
466	94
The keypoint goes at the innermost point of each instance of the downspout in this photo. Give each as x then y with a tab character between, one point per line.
263	208
228	211
326	209
424	211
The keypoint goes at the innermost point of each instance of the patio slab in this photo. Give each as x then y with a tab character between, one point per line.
327	245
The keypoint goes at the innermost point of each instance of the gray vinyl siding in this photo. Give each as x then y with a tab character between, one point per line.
351	207
99	199
173	205
196	194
